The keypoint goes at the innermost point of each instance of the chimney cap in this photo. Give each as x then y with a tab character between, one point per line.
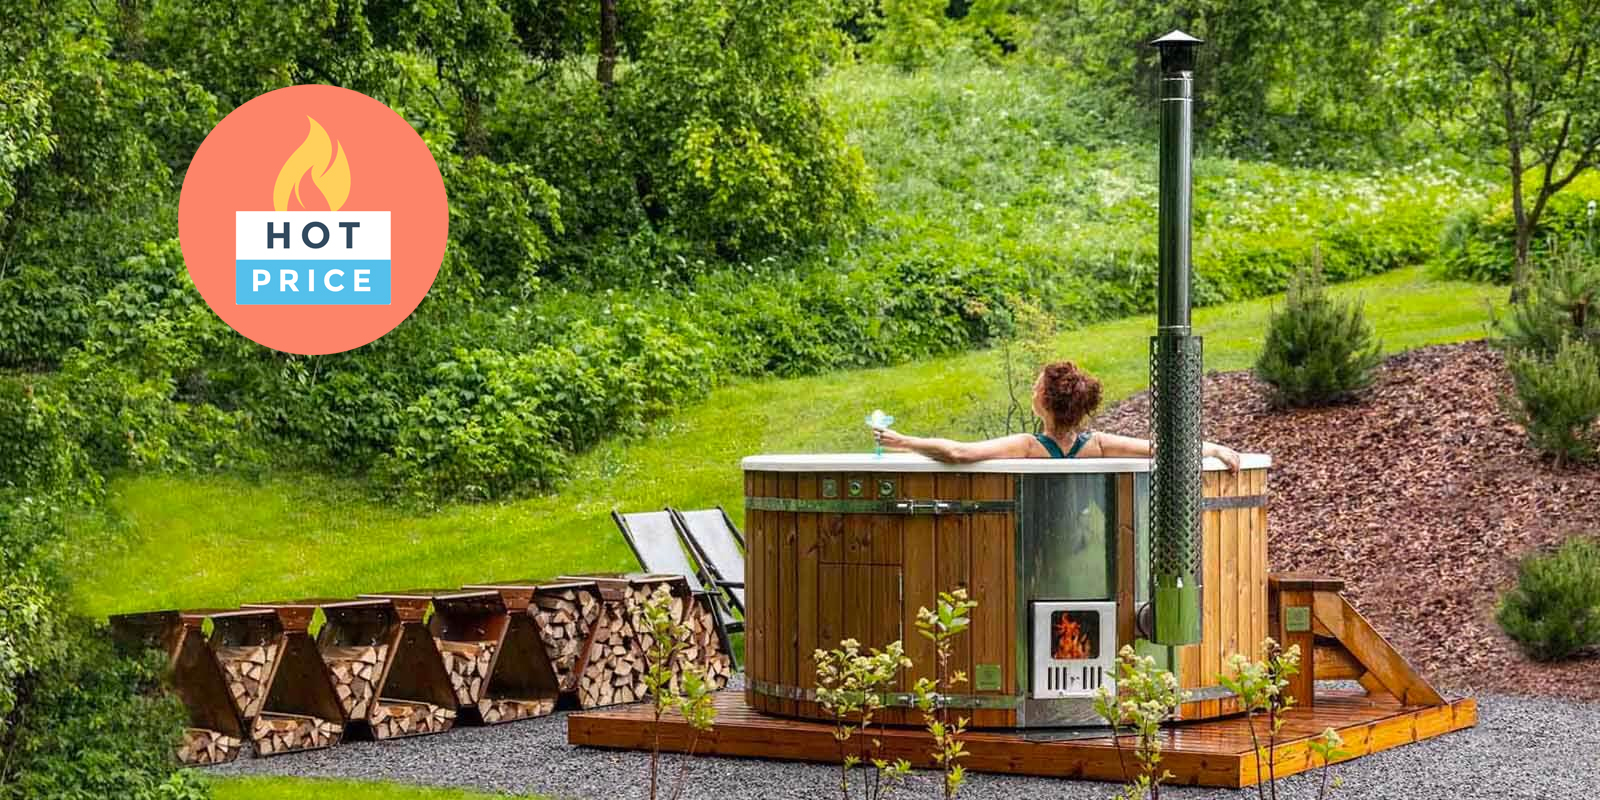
1176	38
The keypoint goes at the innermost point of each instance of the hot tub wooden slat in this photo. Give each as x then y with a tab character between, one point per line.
806	593
886	604
955	557
992	552
787	632
919	566
1126	553
1258	564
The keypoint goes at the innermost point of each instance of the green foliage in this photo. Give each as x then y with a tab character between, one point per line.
739	152
950	619
1554	610
850	687
1259	686
1318	350
1329	747
94	724
1142	697
1512	83
673	685
1294	78
1557	399
1480	240
1562	302
86	173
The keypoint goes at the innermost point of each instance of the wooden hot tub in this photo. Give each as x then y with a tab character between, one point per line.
850	546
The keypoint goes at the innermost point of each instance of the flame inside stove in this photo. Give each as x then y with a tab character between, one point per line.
1070	640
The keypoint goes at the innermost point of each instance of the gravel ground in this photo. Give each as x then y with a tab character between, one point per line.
1522	748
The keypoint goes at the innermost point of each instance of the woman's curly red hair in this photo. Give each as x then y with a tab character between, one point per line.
1070	395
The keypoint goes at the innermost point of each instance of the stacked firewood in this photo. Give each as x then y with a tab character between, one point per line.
615	668
468	666
202	746
273	732
505	709
246	670
565	619
702	651
356	671
392	718
705	651
618	654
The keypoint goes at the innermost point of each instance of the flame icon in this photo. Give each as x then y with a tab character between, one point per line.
316	151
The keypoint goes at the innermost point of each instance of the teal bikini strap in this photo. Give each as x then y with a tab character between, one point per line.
1051	447
1078	443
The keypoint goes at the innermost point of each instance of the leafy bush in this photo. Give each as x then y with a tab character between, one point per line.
1557	399
1480	241
1318	350
1554	610
78	720
94	724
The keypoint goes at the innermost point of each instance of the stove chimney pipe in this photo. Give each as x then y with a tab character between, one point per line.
1176	474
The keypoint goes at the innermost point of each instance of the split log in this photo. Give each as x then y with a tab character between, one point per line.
274	733
565	619
356	671
393	718
468	665
247	670
201	747
509	709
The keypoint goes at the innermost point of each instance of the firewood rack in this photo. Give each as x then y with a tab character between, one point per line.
298	709
215	734
387	672
492	665
535	676
613	667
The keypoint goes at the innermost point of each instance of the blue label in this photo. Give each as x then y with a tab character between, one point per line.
284	282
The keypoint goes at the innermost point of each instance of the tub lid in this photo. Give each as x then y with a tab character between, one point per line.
911	462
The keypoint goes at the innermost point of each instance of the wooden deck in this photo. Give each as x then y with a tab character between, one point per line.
1210	753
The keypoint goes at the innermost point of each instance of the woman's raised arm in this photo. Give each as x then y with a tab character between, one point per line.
950	451
1110	445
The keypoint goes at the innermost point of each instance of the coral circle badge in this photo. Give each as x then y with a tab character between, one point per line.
313	219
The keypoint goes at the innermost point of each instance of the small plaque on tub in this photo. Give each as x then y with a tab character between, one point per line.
830	487
1297	619
987	678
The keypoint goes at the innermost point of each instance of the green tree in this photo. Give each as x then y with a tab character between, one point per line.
1515	81
1268	74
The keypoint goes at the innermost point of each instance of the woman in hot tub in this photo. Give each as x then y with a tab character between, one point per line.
1063	398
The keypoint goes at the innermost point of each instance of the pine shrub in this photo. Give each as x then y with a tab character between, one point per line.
1554	610
1557	399
1562	301
1318	350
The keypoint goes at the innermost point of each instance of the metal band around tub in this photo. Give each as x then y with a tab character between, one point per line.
843	506
1243	501
1001	702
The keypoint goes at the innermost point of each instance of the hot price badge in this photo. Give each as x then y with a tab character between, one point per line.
313	219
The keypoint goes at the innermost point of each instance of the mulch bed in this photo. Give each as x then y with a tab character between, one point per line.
1421	497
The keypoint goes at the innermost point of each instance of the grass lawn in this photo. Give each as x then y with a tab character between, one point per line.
302	788
168	541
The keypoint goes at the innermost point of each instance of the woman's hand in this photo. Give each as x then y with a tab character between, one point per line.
891	439
1224	454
